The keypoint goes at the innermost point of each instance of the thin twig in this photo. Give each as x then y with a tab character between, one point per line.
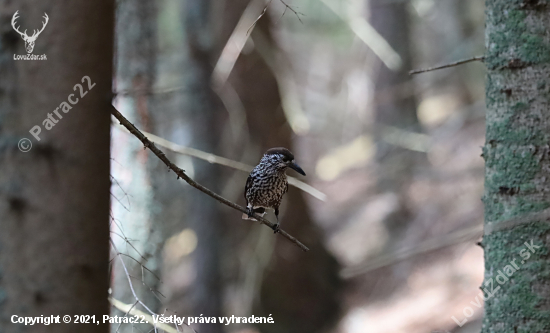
457	237
142	266
127	240
130	281
125	194
181	174
292	10
452	64
265	10
149	91
119	255
120	202
126	315
133	311
259	17
542	216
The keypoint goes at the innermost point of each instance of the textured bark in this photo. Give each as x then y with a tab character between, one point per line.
516	153
136	47
54	199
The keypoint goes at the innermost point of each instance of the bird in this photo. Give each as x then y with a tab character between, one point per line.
267	183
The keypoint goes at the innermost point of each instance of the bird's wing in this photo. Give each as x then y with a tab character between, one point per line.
247	186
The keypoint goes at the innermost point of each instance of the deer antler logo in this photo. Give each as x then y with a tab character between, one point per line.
29	40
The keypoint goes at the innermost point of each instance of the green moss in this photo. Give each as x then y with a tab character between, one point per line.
513	42
517	301
519	106
515	159
525	206
504	132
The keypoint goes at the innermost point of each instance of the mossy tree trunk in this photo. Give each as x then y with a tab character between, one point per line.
517	156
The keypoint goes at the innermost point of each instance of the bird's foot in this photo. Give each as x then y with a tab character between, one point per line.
249	212
276	228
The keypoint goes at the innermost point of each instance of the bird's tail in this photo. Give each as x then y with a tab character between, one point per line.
257	210
246	217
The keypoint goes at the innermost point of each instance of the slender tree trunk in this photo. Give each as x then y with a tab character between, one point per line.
392	21
136	47
54	199
517	164
205	118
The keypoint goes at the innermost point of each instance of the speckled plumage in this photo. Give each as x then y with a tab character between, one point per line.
267	183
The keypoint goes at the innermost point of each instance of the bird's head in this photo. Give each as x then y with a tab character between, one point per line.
282	158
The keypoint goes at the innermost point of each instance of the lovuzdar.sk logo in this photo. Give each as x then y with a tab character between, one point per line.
29	40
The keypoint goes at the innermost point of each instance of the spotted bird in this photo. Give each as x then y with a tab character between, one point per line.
267	183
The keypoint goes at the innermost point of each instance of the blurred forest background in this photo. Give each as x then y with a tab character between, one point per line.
397	159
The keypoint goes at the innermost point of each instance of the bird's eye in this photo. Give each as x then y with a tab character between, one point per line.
286	159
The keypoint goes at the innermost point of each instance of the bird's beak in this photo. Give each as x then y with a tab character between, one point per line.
296	167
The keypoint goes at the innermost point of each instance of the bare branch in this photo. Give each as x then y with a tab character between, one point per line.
452	64
181	174
129	310
211	158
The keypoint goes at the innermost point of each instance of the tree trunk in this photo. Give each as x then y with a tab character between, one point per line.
299	289
54	199
517	179
136	47
205	118
392	21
